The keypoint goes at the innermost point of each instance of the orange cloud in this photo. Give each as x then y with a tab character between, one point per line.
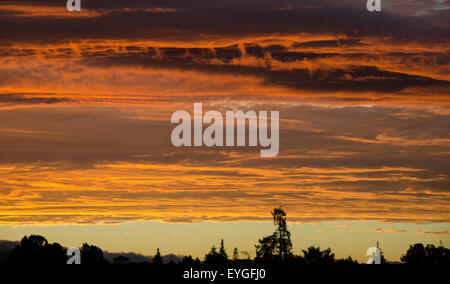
388	230
189	193
84	121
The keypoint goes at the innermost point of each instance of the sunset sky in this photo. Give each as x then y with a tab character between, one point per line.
364	99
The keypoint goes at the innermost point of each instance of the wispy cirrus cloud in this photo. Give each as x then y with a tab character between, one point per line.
434	232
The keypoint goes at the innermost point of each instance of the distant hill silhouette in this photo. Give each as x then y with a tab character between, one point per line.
7	246
5	249
133	257
140	258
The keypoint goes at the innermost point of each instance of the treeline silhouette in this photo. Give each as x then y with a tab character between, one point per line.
275	249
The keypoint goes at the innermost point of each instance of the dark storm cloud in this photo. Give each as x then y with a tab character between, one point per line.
208	19
203	18
345	78
5	248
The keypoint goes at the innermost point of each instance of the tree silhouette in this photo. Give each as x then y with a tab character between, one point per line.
235	255
278	245
429	254
212	256
91	254
187	260
438	255
36	249
197	262
313	255
348	260
216	258
222	251
157	259
265	250
382	258
55	253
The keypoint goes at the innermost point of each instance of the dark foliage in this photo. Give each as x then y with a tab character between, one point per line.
278	246
36	249
429	254
157	259
215	257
